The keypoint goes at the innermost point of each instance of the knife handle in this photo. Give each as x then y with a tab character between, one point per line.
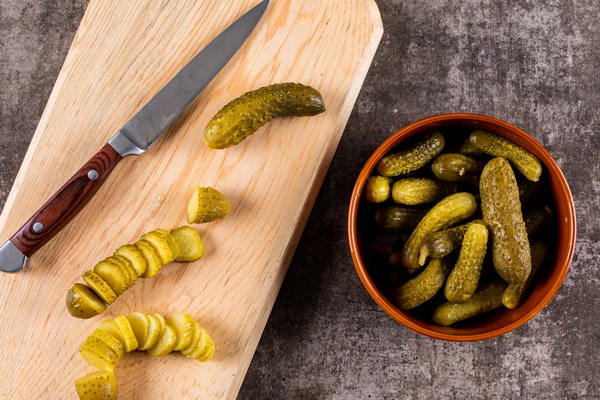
65	203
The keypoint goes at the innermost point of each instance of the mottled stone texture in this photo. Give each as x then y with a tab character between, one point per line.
533	63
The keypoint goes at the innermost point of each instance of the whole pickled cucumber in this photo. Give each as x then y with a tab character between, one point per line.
529	191
486	299
415	191
445	213
455	167
501	210
241	117
537	220
398	218
412	158
377	189
440	244
514	293
423	287
463	279
497	146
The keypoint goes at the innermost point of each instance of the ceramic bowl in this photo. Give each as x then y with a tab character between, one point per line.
547	282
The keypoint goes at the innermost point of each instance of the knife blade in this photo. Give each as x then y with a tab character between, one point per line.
133	139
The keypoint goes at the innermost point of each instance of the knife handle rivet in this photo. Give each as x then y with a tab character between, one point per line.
38	227
93	174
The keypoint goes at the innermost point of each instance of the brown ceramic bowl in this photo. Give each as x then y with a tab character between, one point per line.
548	282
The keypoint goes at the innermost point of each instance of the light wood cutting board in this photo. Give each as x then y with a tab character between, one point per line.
122	54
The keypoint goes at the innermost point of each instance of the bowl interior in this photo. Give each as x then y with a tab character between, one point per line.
548	281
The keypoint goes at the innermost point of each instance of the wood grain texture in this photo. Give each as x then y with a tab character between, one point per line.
66	202
122	54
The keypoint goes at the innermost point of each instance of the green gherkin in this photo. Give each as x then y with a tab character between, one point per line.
486	299
241	117
412	158
423	287
501	210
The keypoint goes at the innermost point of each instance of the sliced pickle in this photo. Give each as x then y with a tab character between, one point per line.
189	243
102	350
166	342
171	240
113	274
154	333
127	267
136	256
161	245
152	257
184	325
129	340
140	324
83	302
98	285
99	385
206	205
196	336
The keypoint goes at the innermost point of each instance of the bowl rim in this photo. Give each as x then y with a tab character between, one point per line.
353	236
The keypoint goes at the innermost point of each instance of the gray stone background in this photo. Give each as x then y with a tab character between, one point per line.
532	63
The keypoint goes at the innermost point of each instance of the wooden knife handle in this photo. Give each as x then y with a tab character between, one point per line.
65	203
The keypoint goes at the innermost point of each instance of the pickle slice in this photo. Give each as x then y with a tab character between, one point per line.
161	245
127	334
127	267
154	332
203	346
109	326
166	342
196	336
83	302
208	354
189	242
99	286
102	350
171	240
184	326
113	275
152	257
99	385
160	320
206	205
140	324
136	256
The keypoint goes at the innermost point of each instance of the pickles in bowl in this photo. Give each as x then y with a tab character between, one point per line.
434	277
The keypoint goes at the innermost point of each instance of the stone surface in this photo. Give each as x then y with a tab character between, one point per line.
531	63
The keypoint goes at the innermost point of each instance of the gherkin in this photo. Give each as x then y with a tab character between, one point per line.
241	117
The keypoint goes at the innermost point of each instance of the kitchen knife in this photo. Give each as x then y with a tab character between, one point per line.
132	139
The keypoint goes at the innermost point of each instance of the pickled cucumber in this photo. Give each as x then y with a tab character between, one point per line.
497	146
159	336
189	242
112	276
99	385
462	281
440	244
444	214
415	191
486	299
455	167
243	116
501	209
83	302
99	286
377	189
423	287
469	150
412	158
396	219
514	293
206	205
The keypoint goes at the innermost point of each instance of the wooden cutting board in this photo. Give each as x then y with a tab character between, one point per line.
122	54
